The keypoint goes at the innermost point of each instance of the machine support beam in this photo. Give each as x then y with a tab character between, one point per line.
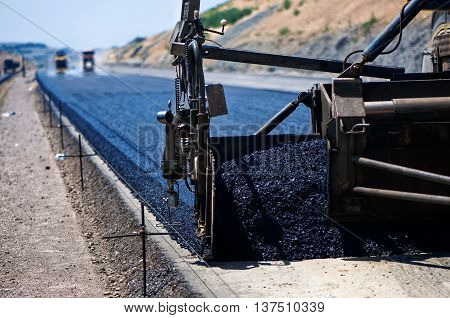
318	65
399	195
276	120
292	62
431	108
382	41
414	173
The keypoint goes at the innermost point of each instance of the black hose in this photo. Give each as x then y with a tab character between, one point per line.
350	55
402	14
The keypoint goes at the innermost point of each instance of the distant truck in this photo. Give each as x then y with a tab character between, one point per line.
88	60
10	66
61	61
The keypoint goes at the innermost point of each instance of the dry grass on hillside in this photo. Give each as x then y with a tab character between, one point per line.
278	26
306	19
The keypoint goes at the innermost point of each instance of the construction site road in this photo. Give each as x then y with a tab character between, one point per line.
267	81
43	252
105	113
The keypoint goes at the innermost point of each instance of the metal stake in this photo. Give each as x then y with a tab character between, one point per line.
81	162
143	234
80	155
61	130
50	112
24	70
144	251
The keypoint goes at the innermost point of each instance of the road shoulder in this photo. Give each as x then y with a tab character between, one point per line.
42	248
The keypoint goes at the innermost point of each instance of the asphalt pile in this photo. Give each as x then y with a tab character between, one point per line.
277	200
273	205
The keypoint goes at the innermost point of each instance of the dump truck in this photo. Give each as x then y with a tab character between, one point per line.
61	63
388	138
10	66
88	60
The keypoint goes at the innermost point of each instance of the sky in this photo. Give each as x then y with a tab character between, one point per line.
85	24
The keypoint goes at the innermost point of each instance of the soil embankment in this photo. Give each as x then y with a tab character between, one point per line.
43	251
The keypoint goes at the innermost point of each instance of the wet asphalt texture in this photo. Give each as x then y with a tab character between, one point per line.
275	201
274	205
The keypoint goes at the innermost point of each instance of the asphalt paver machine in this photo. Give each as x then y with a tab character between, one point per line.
388	137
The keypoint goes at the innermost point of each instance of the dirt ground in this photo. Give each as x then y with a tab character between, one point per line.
51	232
42	250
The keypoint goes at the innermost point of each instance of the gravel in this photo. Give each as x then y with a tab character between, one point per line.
43	252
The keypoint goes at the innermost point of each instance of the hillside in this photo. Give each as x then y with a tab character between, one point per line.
36	52
320	28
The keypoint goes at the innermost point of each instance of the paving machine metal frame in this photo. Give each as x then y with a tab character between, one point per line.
389	140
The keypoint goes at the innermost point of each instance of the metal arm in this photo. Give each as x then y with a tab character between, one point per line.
276	120
301	63
382	41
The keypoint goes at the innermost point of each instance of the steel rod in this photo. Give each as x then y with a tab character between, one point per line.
144	251
292	62
120	236
134	235
50	113
398	24
61	130
414	173
159	234
77	156
432	108
276	120
81	162
406	196
319	65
